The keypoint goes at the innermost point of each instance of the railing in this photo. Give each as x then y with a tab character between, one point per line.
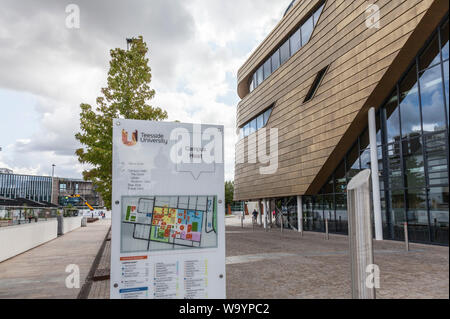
16	215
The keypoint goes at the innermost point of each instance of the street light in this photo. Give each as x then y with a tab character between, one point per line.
129	42
51	193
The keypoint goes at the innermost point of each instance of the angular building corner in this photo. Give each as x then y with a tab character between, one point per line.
312	82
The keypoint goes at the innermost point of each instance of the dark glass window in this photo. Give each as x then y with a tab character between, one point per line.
395	165
417	215
365	159
295	42
259	76
329	188
353	165
392	118
259	121
289	7
284	52
436	155
329	213
247	129
413	161
267	69
364	140
339	178
288	48
431	55
409	104
252	126
267	115
446	66
398	212
378	120
341	214
256	123
444	40
318	220
275	60
438	205
317	14
307	29
315	84
432	98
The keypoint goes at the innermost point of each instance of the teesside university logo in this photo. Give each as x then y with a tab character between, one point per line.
134	138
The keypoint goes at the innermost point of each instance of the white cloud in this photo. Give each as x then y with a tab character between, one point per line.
196	48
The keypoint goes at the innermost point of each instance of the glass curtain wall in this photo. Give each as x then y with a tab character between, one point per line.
37	188
412	139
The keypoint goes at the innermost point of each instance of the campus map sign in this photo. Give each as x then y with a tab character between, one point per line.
168	231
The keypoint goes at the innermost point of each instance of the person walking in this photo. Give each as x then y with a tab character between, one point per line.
255	215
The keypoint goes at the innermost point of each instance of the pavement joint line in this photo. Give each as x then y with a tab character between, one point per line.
241	259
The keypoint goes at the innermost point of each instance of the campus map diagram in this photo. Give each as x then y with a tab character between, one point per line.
152	223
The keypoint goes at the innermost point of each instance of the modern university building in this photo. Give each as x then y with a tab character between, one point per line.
332	78
45	191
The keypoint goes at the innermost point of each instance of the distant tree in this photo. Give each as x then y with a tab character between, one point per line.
229	191
126	96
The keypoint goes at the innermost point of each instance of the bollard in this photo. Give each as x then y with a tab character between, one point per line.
242	220
360	234
300	215
327	235
281	221
406	236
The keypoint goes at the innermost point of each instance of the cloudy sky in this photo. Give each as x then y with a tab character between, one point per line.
47	69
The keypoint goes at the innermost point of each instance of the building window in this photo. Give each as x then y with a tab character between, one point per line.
267	69
299	38
316	83
275	60
259	76
62	187
295	42
255	124
284	52
306	30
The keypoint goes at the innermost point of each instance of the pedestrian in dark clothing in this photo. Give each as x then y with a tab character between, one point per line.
255	214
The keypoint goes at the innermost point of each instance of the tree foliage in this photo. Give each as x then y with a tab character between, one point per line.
229	191
126	96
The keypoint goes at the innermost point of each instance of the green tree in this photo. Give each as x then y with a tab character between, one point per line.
229	191
126	96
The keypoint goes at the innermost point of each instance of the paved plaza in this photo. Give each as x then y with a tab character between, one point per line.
260	264
40	272
285	265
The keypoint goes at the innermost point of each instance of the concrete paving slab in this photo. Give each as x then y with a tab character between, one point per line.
40	272
272	265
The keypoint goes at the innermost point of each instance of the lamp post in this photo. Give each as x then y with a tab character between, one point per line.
129	41
53	173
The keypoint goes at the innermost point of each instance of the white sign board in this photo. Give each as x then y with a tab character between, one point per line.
168	226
